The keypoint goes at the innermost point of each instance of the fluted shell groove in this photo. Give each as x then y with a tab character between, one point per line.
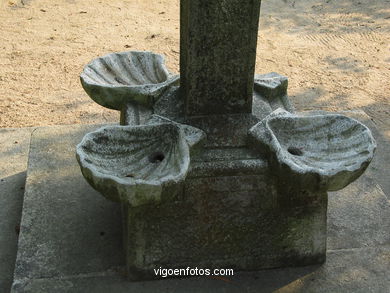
120	78
335	148
134	164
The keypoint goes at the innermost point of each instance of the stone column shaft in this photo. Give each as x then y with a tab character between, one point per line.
218	41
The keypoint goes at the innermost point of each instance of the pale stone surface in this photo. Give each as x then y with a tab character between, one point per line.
217	220
347	271
120	78
359	216
14	145
64	249
291	221
290	218
224	130
322	151
370	208
379	170
288	215
135	114
196	230
217	55
138	165
350	270
67	228
270	94
191	226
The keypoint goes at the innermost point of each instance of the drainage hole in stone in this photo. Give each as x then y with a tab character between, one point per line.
295	151
102	233
156	157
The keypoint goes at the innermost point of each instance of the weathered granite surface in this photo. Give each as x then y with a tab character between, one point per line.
198	232
14	145
349	271
126	77
208	208
320	151
139	165
66	228
379	167
216	212
185	222
363	197
269	94
65	251
217	55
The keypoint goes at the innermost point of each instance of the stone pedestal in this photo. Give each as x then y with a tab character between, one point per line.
218	172
71	239
230	214
231	211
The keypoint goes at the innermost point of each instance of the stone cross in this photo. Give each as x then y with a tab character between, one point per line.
218	52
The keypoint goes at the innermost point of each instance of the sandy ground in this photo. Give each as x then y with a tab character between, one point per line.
335	53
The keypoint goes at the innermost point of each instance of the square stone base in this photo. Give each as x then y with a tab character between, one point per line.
71	239
238	219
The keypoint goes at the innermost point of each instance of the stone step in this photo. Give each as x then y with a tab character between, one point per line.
14	145
70	239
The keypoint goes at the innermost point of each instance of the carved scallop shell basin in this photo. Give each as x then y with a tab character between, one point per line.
320	151
134	164
119	78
